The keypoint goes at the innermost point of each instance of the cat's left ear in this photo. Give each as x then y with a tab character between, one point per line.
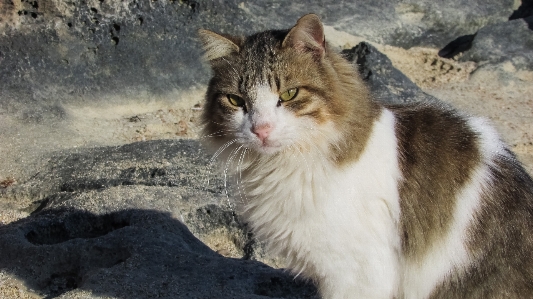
307	36
217	45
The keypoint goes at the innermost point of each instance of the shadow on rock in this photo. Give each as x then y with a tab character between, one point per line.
458	45
131	254
529	20
523	11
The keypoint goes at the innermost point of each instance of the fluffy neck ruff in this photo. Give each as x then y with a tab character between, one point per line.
304	203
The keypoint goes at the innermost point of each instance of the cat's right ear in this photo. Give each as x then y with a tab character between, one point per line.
216	45
307	36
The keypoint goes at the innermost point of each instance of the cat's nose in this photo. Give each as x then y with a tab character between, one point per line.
262	131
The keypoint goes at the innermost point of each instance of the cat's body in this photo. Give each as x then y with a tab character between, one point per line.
367	200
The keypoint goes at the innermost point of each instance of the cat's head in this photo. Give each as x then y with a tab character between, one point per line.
278	90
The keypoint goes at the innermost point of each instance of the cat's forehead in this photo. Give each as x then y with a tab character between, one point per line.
259	52
262	59
263	44
258	58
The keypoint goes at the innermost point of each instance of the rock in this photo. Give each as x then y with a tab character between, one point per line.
111	221
130	254
172	176
55	52
155	163
458	45
386	83
399	23
511	41
69	52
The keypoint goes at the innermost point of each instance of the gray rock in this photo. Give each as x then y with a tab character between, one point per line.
112	221
154	163
58	52
458	45
399	23
131	254
172	176
510	41
386	83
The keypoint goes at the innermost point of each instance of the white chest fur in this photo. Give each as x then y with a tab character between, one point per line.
336	225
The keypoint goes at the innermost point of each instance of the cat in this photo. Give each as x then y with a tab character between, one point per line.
365	199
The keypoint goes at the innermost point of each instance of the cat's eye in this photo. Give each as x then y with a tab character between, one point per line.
288	95
235	100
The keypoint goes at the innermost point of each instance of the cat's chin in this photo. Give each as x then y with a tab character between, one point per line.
267	149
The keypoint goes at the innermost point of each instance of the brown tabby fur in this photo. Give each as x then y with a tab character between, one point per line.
438	151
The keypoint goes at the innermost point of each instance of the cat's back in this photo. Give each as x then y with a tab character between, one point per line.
466	207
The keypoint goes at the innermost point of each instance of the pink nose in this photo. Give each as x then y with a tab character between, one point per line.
262	131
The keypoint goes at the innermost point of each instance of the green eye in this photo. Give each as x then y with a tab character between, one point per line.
235	100
288	95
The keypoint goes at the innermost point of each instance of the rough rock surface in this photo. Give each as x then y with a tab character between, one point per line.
117	221
510	41
99	195
53	52
387	83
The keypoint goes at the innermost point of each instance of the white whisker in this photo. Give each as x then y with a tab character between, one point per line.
239	179
231	156
221	149
216	134
222	125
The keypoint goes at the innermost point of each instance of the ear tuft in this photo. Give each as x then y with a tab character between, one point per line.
307	36
216	45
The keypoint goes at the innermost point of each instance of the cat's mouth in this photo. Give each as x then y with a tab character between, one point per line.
267	146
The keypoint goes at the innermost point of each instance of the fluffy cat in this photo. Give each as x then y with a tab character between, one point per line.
367	200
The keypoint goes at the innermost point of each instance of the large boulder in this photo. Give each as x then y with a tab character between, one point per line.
510	41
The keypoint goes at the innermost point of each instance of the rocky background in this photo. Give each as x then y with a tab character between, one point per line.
105	191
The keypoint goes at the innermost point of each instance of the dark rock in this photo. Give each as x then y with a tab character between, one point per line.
399	23
153	163
510	41
386	83
75	53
